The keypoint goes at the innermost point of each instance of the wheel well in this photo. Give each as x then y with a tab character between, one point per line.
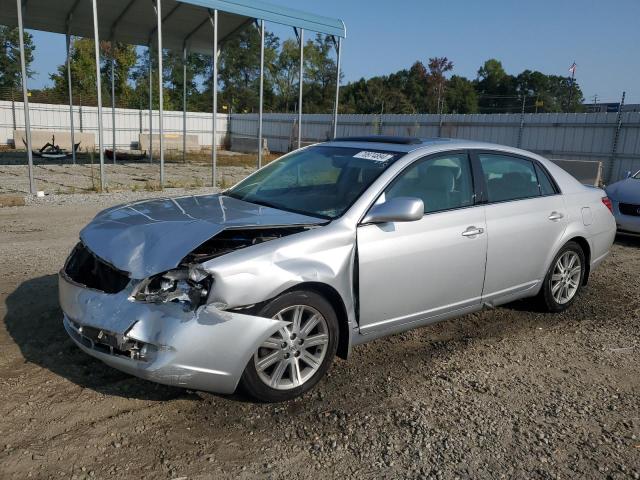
336	302
587	256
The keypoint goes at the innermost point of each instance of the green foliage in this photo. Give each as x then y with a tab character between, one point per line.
10	75
427	87
461	96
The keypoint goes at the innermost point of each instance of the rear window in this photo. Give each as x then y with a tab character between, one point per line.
508	178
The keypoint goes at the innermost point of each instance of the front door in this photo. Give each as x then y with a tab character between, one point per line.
418	271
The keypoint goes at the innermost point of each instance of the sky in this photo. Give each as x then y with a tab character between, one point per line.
602	37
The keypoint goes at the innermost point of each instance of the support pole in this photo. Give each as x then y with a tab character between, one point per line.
25	95
521	129
214	87
150	104
301	79
616	137
113	103
160	106
96	39
260	111
73	139
13	113
184	103
335	108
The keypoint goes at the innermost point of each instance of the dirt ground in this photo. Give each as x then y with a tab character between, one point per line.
55	177
505	393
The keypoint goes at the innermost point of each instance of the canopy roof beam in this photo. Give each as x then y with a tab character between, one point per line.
165	18
195	30
70	15
123	13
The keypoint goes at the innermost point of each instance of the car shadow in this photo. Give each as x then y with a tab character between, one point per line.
628	240
34	321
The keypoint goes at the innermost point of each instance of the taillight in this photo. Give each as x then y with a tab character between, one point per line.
607	203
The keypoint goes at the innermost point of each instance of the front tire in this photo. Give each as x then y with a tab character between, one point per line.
564	279
295	358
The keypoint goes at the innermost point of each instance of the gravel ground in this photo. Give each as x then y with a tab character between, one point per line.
505	393
55	178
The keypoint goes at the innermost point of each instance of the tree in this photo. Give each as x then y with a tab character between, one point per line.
460	96
10	69
438	67
551	91
284	75
124	57
319	75
239	70
197	66
496	88
83	74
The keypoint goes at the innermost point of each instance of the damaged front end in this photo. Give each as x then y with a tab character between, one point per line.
160	289
164	327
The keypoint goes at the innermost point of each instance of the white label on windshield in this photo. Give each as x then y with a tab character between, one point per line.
377	156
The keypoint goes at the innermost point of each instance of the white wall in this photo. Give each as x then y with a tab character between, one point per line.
129	123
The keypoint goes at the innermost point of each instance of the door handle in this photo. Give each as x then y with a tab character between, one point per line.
472	231
555	216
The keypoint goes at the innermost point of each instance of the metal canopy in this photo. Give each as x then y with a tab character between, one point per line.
174	24
134	21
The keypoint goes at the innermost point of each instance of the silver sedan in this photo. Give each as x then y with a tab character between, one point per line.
625	199
328	247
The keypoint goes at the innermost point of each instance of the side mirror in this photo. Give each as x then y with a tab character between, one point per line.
628	174
400	209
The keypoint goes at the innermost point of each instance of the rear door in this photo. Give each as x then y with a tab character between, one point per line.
415	271
525	217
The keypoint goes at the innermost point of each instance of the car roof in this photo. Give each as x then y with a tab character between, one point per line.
412	144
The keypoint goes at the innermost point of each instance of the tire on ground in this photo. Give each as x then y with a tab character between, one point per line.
251	382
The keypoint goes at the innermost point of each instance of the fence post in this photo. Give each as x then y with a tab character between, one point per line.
13	113
139	126
80	115
614	145
521	123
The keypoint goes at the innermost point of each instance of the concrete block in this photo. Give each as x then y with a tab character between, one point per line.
588	172
63	138
248	145
172	141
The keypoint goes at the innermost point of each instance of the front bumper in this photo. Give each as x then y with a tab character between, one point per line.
626	223
203	350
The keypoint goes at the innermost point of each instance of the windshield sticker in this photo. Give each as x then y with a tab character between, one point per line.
377	156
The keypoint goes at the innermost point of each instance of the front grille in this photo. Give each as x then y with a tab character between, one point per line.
85	268
630	209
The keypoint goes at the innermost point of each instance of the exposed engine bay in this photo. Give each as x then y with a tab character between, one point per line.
234	239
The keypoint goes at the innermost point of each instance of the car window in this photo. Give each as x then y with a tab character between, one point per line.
508	178
546	187
442	183
321	181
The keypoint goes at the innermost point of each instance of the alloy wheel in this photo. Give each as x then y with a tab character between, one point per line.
566	276
294	353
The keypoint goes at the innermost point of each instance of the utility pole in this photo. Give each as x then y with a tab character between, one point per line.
595	102
572	69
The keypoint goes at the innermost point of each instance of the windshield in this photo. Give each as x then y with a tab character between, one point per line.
320	181
637	175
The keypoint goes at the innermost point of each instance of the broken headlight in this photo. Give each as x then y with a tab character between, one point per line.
189	287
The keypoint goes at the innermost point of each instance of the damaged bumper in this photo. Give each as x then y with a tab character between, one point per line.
206	349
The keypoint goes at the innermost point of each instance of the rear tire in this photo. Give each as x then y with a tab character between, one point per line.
295	358
564	279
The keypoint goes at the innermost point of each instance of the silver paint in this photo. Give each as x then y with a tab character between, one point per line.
411	273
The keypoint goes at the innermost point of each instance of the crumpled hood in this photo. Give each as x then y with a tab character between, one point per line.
152	236
625	191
